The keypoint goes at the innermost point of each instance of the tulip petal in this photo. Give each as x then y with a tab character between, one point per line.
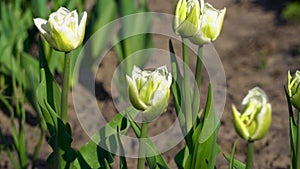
180	14
81	26
134	95
41	24
210	25
263	121
238	124
189	26
160	100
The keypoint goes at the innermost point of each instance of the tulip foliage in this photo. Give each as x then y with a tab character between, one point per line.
292	96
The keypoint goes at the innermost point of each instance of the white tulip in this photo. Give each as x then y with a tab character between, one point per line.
64	31
149	91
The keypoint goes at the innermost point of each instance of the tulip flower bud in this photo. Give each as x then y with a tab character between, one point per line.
294	90
64	31
149	91
255	120
209	25
186	17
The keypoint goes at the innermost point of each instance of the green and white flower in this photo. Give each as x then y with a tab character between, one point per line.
209	25
64	30
149	91
186	17
293	89
200	22
255	120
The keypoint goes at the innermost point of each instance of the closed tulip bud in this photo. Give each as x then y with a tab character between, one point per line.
209	25
294	90
64	30
186	17
149	91
255	120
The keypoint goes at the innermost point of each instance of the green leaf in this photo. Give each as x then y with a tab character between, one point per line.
41	94
123	163
51	89
211	119
176	88
291	12
293	131
126	7
154	161
31	67
231	164
102	13
205	153
32	78
134	43
92	153
39	8
237	164
60	141
203	148
182	157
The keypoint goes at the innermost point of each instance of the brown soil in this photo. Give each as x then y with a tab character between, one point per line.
256	49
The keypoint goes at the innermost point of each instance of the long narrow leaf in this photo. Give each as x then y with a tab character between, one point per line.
123	163
89	153
153	161
293	130
237	164
231	162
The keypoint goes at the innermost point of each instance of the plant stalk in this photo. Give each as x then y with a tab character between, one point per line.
65	89
142	149
187	97
198	73
250	152
298	143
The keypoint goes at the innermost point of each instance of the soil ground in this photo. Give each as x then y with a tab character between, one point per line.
256	49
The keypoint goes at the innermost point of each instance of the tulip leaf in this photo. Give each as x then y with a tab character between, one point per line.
236	163
133	38
153	156
39	8
202	150
95	152
60	141
61	138
52	90
205	144
181	158
293	130
123	163
42	93
177	78
205	153
231	162
32	76
211	119
102	13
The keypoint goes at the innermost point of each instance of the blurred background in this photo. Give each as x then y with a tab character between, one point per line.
259	43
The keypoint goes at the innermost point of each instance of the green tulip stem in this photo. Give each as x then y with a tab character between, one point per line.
65	89
199	66
198	72
250	152
186	75
298	143
142	149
